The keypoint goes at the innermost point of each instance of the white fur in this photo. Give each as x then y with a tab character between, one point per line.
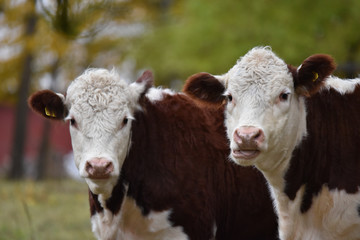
214	231
157	94
99	101
130	224
343	86
255	83
332	216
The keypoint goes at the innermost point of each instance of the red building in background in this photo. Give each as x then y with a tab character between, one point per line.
59	146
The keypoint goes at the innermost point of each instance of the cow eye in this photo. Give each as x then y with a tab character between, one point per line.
229	98
125	121
284	96
72	122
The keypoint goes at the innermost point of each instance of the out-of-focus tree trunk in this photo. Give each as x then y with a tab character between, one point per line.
19	137
44	150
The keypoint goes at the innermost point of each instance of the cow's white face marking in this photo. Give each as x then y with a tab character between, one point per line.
101	108
261	95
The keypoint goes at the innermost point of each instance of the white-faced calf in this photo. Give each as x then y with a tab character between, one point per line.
156	163
300	128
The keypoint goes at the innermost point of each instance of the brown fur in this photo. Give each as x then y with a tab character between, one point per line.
50	100
206	88
329	155
312	73
179	160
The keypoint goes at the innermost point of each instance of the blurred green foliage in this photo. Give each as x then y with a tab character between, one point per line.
210	36
177	38
70	34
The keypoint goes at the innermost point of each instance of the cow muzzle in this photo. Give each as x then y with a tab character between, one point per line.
248	140
99	168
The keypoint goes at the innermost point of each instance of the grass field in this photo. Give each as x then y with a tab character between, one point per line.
50	210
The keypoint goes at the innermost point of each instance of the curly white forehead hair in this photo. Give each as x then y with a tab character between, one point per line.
99	87
258	64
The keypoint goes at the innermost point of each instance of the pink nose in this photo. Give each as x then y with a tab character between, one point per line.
99	168
249	137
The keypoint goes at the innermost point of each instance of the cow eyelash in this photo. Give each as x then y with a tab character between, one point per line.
72	122
229	97
125	121
284	96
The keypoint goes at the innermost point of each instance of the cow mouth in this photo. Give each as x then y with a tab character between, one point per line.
99	177
245	153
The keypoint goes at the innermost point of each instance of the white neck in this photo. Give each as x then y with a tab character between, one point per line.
284	207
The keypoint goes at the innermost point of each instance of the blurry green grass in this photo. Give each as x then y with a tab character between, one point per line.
56	209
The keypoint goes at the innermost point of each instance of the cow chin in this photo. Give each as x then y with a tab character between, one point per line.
102	186
244	159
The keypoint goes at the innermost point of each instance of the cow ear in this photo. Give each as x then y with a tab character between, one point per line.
311	75
206	88
143	83
48	104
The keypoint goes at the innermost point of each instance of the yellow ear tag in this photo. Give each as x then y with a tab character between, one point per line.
49	113
316	76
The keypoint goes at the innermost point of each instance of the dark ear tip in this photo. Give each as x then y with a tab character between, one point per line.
48	104
205	88
147	77
200	75
197	77
148	73
35	100
312	74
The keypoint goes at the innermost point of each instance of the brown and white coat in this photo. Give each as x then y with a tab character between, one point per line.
300	128
157	163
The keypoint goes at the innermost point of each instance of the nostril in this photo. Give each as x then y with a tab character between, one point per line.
99	168
259	136
238	136
109	168
248	136
89	168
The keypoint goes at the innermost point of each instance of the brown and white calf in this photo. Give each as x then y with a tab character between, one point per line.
156	163
301	128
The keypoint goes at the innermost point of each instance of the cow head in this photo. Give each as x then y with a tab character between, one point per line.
99	107
265	112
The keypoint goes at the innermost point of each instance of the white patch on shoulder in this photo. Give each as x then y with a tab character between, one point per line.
333	216
214	231
343	86
157	94
130	224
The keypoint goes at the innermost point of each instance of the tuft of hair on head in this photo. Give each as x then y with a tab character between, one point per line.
311	75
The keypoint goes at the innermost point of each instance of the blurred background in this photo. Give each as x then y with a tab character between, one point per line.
44	44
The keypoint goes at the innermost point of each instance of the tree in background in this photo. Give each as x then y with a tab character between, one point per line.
71	35
30	20
211	35
173	38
